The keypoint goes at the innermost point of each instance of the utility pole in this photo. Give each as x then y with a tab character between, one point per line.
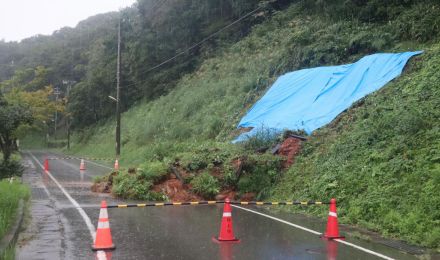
57	93
68	84
118	100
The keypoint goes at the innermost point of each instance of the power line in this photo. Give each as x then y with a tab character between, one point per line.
195	45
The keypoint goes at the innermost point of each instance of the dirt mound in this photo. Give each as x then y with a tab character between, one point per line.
176	190
104	185
230	194
290	148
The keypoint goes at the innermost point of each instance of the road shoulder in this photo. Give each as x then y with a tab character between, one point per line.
44	236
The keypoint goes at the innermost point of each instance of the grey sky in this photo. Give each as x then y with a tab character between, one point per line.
21	19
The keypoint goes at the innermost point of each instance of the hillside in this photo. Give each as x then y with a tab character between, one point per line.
380	158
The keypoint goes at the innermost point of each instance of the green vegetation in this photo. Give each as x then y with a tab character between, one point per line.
206	185
136	184
381	158
10	195
81	61
8	254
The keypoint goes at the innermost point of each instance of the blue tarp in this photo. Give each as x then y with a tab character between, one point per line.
310	98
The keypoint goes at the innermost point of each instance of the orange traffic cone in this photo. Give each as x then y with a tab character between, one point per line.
116	165
226	229
46	164
82	165
103	239
332	231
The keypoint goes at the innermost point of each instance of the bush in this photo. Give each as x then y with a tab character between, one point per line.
129	186
10	168
205	185
263	139
152	171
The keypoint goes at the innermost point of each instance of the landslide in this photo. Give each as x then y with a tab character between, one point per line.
380	158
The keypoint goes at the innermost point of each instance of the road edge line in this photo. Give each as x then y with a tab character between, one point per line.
316	233
83	214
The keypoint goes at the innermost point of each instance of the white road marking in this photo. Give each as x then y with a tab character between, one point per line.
72	200
100	254
316	233
280	220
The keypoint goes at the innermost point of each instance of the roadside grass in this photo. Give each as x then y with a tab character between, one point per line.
10	195
8	254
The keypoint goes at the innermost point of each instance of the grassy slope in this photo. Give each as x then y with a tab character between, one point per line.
208	103
380	159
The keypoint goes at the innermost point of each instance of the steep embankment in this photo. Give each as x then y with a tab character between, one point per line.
380	158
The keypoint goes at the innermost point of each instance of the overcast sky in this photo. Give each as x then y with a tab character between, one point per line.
20	19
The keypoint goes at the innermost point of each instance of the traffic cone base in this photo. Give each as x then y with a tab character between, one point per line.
332	237
217	240
112	247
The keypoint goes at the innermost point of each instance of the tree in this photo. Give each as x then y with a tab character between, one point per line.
11	118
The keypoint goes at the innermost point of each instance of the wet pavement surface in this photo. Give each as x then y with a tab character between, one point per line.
58	231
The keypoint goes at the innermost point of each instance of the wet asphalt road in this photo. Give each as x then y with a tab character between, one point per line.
177	232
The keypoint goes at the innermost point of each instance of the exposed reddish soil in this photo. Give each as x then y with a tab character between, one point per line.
289	149
176	190
238	164
230	194
104	186
101	187
250	196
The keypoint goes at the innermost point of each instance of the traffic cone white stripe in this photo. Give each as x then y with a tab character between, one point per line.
103	214
227	214
333	214
105	224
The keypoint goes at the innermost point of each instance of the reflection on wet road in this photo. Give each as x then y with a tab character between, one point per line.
185	232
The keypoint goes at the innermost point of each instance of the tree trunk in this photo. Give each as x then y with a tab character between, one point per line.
6	147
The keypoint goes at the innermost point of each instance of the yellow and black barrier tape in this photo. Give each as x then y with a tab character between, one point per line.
79	158
212	202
